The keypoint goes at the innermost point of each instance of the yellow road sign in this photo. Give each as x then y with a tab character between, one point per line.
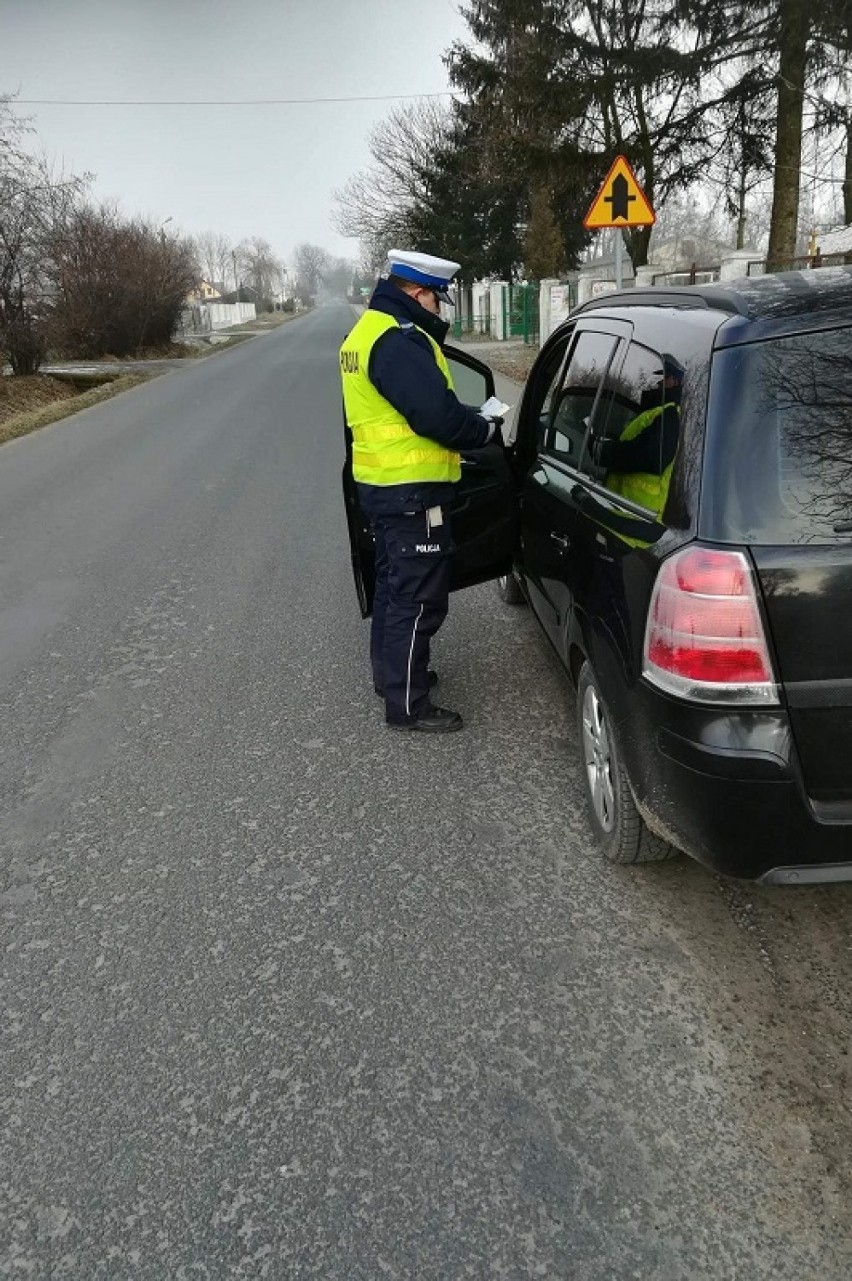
621	202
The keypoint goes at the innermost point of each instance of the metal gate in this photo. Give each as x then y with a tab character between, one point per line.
520	312
466	321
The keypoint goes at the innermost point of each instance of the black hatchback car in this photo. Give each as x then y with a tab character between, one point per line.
676	507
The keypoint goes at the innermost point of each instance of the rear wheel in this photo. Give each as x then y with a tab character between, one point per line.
618	824
509	589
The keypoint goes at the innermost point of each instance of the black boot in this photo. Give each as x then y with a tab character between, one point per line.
432	720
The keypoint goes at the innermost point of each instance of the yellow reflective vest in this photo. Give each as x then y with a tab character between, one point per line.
645	488
385	451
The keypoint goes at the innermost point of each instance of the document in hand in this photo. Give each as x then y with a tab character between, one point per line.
494	408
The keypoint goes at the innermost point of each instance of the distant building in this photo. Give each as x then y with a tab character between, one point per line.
203	291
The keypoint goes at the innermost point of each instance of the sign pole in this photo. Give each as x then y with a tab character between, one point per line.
619	245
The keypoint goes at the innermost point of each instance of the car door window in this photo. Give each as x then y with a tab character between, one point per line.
633	400
632	448
574	405
543	386
472	385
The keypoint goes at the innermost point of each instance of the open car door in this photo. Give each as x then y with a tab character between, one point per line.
484	511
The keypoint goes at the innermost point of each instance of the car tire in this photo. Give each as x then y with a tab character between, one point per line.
618	825
509	589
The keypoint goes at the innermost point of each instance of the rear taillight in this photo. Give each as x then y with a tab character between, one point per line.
704	638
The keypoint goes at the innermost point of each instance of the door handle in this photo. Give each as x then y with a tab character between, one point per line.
563	542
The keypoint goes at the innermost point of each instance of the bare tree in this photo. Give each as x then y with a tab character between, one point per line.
692	227
214	254
35	204
118	284
378	204
260	268
311	264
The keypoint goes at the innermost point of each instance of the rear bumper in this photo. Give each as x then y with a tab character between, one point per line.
724	786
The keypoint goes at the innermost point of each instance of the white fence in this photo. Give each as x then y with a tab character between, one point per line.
224	314
594	281
202	317
483	308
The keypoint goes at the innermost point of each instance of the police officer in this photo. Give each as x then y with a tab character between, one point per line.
408	429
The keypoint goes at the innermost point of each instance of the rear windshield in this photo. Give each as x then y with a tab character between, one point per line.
778	453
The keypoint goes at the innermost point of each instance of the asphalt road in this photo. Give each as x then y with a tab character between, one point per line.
285	995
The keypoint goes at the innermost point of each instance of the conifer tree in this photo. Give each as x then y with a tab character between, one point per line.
565	85
794	31
812	46
544	247
521	109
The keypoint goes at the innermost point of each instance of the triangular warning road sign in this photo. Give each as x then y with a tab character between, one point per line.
621	202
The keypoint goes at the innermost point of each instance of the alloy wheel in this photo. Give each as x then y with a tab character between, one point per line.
598	759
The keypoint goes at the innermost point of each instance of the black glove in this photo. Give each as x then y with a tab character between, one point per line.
496	437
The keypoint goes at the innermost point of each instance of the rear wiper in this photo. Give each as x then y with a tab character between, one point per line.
843	527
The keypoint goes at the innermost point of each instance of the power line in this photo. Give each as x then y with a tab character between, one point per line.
216	102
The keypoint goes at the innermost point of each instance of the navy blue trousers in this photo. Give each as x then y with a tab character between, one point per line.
411	602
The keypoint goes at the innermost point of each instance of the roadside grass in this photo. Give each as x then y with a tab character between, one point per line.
515	364
170	351
45	400
469	337
218	340
513	359
28	403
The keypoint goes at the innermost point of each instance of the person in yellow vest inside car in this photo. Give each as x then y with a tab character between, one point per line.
639	462
408	430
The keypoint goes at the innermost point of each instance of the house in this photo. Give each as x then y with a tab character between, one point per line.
204	291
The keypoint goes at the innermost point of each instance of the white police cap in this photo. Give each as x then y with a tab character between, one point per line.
423	269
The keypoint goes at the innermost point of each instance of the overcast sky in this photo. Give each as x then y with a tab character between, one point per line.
241	170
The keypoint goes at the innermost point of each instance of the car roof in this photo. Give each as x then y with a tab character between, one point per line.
753	307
